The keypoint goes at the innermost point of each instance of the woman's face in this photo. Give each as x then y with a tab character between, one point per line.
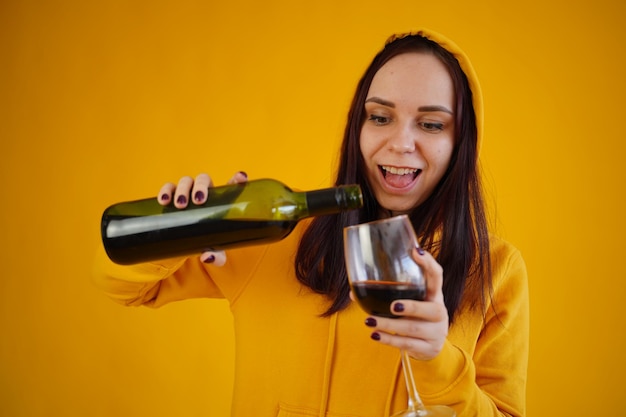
408	135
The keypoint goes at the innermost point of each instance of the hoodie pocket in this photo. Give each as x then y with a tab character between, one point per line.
285	410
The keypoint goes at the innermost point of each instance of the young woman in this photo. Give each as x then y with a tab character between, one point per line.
303	348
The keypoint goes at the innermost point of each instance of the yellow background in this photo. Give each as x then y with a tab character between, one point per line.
104	101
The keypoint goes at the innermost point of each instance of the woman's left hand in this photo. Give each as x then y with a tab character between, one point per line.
422	326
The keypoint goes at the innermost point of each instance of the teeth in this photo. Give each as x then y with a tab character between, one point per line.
399	171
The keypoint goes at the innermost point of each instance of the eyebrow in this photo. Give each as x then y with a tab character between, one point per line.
435	108
430	108
380	101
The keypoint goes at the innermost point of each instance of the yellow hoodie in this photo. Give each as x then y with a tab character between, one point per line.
292	362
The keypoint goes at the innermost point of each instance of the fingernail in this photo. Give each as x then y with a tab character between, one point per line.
244	174
398	307
181	199
420	251
165	197
375	336
209	259
199	196
370	322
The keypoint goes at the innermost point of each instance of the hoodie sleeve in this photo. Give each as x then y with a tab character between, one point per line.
153	284
489	379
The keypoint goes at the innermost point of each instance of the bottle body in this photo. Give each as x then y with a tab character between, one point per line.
254	212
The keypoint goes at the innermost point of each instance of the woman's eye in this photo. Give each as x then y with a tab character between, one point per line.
432	126
378	120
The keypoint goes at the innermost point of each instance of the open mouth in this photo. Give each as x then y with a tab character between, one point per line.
399	177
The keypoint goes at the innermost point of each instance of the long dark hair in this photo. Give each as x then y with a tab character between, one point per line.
451	223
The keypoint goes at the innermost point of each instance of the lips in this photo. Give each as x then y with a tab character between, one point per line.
399	177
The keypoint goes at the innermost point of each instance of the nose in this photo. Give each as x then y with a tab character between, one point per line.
402	140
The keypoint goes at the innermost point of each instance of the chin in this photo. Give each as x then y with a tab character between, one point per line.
398	208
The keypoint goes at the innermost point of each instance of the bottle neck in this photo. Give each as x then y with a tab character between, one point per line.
334	200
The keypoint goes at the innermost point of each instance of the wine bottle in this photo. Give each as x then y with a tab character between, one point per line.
253	212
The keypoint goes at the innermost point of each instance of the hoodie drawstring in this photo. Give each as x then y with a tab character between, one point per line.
393	385
328	364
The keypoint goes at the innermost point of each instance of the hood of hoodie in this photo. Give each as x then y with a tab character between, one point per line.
466	66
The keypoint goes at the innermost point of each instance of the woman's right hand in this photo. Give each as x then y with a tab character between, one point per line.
196	190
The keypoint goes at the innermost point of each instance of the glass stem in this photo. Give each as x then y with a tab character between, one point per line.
415	402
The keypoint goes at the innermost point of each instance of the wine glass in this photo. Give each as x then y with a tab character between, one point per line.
381	270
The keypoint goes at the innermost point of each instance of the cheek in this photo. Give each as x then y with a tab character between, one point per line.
367	146
440	157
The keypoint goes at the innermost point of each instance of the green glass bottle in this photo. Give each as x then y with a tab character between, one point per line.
254	212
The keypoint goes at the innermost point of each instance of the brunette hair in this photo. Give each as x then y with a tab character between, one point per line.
450	223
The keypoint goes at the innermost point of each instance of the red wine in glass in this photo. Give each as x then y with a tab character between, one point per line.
375	297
